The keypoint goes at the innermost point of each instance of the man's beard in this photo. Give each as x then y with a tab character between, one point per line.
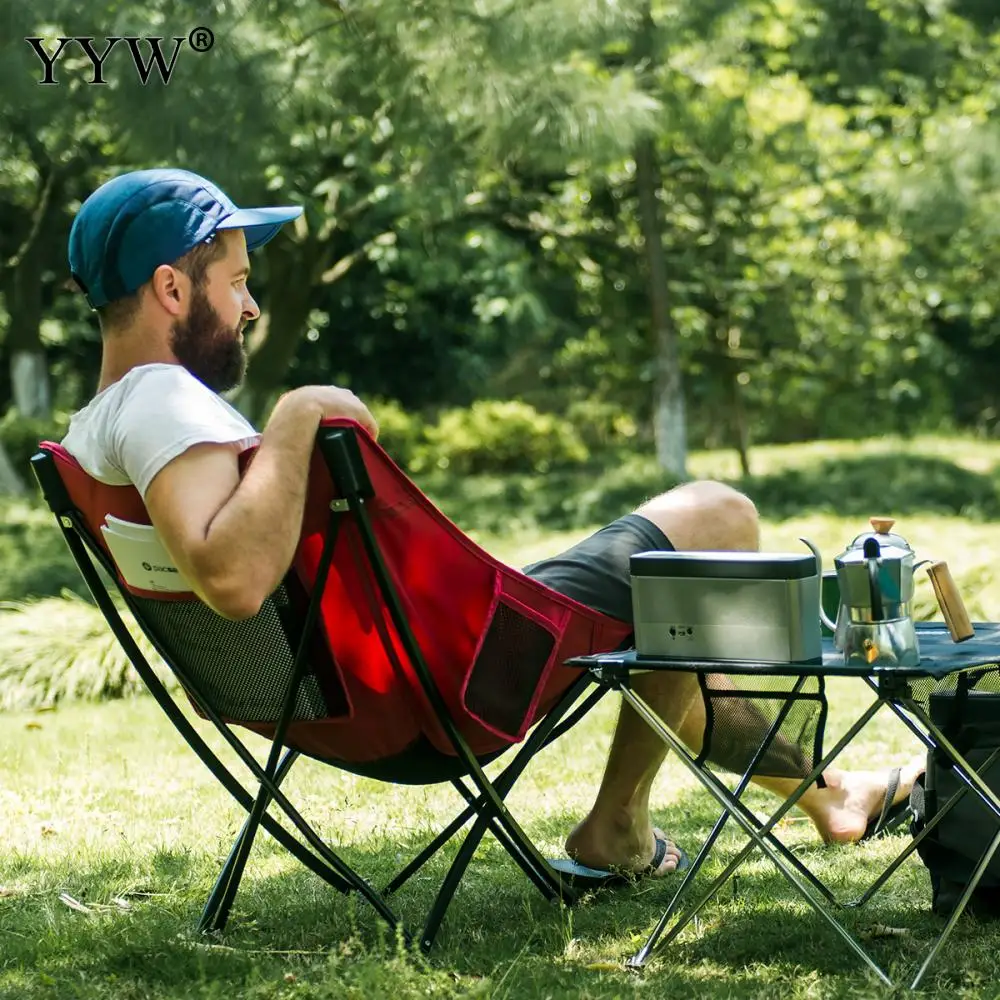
212	352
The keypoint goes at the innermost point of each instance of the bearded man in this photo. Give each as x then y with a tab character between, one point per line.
163	257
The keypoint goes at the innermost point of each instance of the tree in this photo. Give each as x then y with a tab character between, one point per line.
545	87
11	483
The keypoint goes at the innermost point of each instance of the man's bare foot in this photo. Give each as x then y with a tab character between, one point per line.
617	851
841	811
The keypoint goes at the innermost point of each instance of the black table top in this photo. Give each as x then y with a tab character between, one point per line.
939	656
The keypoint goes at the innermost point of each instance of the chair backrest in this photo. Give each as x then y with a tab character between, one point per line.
494	640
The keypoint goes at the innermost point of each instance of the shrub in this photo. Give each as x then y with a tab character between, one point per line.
399	432
602	425
559	500
616	490
497	505
34	559
501	436
61	649
20	437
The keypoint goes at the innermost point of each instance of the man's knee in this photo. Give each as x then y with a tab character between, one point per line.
705	515
708	497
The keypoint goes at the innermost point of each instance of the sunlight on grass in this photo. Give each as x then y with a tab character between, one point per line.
104	806
975	454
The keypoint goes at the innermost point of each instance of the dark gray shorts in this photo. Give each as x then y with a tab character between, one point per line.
595	571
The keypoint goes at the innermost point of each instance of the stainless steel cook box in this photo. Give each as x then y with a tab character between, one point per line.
738	606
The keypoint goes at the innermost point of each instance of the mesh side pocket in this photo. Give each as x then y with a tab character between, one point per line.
740	712
507	670
240	668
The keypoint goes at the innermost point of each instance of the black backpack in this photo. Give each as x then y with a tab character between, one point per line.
970	720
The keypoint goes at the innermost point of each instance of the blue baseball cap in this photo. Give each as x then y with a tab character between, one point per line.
134	223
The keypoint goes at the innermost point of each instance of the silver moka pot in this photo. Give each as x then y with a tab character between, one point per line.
875	580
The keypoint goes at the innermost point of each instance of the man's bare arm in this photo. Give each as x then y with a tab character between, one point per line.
234	538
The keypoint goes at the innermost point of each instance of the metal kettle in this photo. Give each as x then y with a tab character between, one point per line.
875	581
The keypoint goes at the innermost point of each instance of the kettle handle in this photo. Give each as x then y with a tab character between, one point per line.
823	616
950	599
873	559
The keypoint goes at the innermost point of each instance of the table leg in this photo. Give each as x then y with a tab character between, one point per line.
751	826
963	901
638	960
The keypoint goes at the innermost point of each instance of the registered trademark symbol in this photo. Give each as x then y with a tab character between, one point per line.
201	39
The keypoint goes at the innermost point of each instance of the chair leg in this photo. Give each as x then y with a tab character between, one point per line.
475	804
472	809
544	880
454	876
509	835
215	914
311	850
403	875
326	863
503	783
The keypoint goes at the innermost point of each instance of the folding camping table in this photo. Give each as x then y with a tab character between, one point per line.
903	690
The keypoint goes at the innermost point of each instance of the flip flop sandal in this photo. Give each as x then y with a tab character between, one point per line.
893	814
580	876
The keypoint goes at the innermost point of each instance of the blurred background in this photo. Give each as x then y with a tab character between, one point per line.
570	252
658	225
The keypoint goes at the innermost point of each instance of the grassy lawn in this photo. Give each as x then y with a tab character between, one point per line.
104	804
111	833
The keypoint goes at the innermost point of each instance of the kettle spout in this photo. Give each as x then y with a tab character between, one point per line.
823	616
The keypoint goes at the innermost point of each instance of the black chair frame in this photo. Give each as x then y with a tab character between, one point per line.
484	797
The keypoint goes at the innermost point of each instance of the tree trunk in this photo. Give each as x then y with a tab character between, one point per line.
11	483
29	378
669	424
740	422
29	372
276	335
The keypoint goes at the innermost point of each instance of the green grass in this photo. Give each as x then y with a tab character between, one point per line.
940	476
972	453
104	804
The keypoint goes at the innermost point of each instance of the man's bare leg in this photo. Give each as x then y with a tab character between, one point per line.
701	516
840	811
618	830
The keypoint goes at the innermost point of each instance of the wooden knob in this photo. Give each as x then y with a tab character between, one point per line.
950	599
882	525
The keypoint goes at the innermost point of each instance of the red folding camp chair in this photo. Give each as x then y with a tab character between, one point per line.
395	648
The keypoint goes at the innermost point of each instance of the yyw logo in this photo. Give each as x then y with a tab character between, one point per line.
145	60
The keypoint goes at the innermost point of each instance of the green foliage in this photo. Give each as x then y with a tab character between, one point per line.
619	486
400	432
501	436
496	504
602	425
34	559
21	435
827	190
903	483
61	649
577	498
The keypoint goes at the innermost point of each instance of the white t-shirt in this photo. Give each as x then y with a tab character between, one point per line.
128	432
